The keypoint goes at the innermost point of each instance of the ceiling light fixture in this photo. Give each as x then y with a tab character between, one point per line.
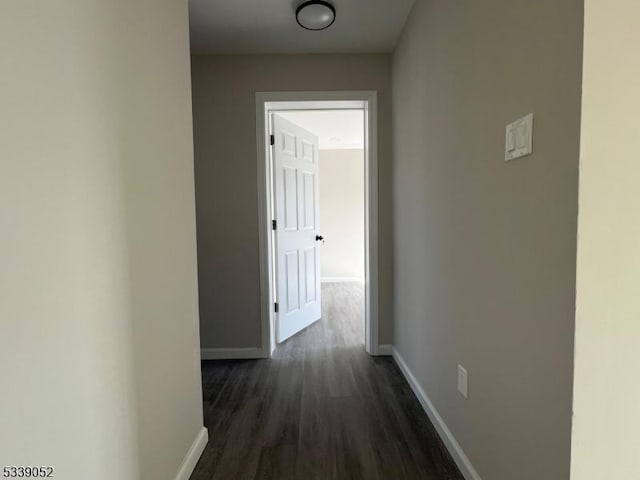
315	15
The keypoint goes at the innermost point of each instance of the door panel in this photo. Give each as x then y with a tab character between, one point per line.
309	204
307	151
310	274
290	185
297	254
292	279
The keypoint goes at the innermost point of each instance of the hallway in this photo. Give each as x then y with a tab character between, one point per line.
321	408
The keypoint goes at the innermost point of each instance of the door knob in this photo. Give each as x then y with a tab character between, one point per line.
319	238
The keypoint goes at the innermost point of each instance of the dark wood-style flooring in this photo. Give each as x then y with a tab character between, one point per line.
321	408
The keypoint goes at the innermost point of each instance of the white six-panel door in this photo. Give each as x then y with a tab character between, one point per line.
297	212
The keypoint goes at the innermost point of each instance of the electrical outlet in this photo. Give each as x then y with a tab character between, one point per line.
463	381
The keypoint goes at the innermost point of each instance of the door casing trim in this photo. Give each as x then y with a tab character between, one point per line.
267	102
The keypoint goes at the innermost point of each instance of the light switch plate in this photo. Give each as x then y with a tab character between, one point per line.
463	381
519	138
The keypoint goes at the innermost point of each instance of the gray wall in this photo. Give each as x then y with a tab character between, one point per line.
342	210
484	251
226	178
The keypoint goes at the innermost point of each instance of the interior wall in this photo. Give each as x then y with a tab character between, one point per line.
484	251
224	115
98	305
606	422
63	300
342	214
157	148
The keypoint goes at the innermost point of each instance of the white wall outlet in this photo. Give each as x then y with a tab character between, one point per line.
519	138
463	381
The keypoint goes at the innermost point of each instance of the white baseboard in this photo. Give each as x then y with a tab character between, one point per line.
385	350
231	353
463	462
341	279
193	455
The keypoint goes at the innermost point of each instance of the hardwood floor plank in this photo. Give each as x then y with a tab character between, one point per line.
321	408
277	463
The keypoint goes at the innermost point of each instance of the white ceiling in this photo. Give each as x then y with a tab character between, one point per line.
269	26
336	129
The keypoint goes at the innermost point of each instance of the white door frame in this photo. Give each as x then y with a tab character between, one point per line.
271	101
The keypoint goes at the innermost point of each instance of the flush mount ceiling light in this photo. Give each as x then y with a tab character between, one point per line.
315	15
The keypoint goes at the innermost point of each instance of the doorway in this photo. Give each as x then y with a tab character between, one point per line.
290	247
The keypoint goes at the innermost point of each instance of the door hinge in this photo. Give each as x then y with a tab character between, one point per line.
274	225
275	307
272	139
